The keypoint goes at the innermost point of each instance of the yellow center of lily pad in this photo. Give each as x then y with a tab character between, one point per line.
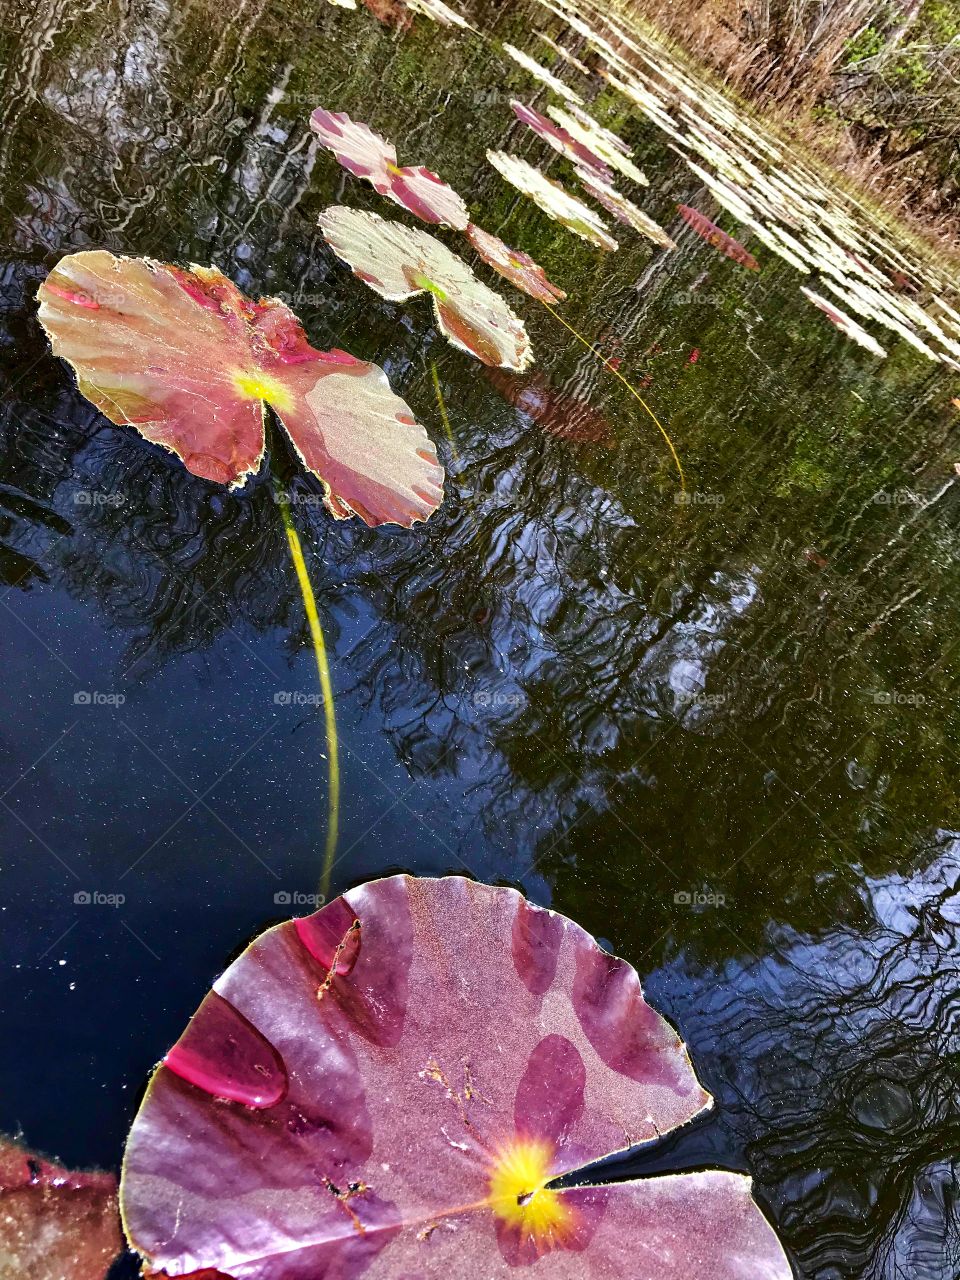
261	386
393	168
518	1192
424	282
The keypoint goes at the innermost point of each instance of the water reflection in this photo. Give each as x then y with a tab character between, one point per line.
570	679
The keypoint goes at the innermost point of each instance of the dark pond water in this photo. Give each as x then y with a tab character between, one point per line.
567	681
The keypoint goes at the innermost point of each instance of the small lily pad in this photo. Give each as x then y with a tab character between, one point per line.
611	149
717	237
519	268
840	320
369	156
541	73
399	262
553	199
623	209
560	140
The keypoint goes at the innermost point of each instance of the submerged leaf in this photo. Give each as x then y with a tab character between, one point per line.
55	1224
716	236
192	363
479	1048
519	268
623	209
560	413
553	199
369	156
399	262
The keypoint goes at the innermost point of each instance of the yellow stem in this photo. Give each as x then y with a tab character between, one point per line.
326	686
630	387
443	409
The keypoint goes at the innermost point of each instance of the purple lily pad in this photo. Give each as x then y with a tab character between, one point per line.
478	1049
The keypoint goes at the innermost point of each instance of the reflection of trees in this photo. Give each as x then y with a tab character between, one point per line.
834	1062
643	695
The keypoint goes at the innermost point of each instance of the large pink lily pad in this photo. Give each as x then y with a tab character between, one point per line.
400	262
55	1224
369	156
386	1088
519	268
192	363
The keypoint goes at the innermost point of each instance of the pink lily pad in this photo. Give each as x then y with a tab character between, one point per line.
369	156
560	140
400	262
716	236
553	199
55	1224
519	268
420	1105
192	363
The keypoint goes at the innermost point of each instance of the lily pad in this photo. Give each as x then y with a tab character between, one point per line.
553	199
403	1114
611	149
541	73
560	140
519	268
400	262
623	209
192	363
717	237
846	324
439	12
369	156
55	1224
